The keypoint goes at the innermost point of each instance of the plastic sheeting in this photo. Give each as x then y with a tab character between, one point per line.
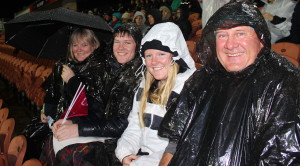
249	117
209	7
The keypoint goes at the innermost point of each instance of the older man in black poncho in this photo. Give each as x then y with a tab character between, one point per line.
242	107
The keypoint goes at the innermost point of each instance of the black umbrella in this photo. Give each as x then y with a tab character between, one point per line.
45	34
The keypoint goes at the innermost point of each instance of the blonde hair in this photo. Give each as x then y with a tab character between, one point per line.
161	94
82	34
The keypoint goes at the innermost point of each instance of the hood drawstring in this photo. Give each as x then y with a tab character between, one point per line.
140	70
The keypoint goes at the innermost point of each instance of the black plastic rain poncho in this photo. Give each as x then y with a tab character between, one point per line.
120	83
60	95
250	117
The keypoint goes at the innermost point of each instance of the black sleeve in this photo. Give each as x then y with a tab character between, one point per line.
277	20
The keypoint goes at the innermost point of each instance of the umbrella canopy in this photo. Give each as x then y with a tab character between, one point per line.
45	34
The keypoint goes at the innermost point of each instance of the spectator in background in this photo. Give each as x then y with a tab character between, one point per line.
294	36
182	20
116	20
195	7
166	13
107	16
154	17
278	15
139	19
90	12
126	17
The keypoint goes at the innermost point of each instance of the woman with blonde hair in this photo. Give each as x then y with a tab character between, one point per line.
169	64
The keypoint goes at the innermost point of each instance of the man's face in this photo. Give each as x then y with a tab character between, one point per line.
237	48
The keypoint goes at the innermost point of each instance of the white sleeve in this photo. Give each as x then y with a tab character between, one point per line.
129	143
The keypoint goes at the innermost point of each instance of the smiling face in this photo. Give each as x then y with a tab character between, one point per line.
158	63
124	48
82	49
237	48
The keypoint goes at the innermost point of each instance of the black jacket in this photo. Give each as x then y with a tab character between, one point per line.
90	72
120	84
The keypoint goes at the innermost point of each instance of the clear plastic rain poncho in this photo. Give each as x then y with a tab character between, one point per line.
209	7
249	117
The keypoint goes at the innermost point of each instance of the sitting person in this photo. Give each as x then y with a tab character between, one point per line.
168	64
98	134
241	108
140	20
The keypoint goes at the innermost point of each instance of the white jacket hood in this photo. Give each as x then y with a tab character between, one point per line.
170	37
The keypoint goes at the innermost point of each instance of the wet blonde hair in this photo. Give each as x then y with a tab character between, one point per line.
161	94
82	34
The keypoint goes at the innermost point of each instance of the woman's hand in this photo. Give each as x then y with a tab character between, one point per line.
65	131
44	118
128	159
67	73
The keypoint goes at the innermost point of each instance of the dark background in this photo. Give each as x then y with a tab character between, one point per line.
9	7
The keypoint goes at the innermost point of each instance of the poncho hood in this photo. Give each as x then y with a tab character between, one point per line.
231	15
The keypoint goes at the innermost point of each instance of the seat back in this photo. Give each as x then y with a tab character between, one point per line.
16	151
6	131
46	72
3	115
288	50
39	70
32	162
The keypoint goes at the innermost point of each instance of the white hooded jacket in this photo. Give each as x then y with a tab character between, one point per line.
280	8
135	137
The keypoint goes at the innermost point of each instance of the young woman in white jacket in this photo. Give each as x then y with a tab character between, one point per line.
168	66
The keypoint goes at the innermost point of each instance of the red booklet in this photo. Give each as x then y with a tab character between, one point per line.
79	105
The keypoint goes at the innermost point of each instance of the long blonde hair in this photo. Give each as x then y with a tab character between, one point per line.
161	94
